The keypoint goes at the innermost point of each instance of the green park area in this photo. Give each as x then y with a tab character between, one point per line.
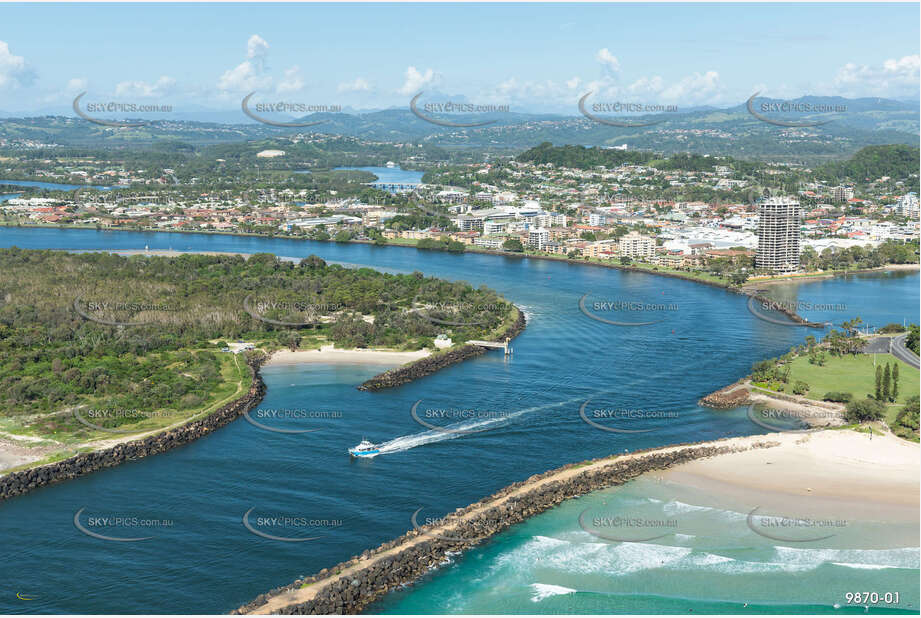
855	374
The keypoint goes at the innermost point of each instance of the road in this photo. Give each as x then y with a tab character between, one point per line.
892	345
902	353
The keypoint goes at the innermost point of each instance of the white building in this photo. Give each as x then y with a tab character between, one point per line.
779	224
907	206
842	193
596	219
538	238
636	245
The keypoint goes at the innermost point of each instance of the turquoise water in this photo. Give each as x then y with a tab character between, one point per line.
707	560
702	338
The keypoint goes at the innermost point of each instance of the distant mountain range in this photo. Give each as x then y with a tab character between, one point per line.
734	131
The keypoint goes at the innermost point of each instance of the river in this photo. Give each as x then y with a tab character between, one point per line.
206	561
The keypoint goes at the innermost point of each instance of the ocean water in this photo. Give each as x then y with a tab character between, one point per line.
705	559
519	416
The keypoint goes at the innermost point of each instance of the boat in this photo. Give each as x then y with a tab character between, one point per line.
365	448
391	164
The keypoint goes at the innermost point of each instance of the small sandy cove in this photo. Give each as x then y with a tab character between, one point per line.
329	354
835	465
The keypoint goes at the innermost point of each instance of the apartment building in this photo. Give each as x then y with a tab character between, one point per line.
638	246
779	234
538	238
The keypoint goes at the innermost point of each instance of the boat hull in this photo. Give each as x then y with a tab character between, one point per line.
355	453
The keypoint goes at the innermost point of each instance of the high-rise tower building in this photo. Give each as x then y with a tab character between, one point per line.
778	234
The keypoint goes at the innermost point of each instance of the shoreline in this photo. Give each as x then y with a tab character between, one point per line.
328	354
799	464
835	474
808	277
430	364
477	250
405	559
18	482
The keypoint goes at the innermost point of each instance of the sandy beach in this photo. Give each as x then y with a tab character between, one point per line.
329	354
829	473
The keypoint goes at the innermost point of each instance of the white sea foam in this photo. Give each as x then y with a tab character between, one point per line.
898	558
676	507
542	591
627	558
870	567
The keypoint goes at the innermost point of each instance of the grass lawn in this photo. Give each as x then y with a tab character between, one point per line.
854	374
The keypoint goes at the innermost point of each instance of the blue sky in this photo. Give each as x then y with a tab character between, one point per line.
531	57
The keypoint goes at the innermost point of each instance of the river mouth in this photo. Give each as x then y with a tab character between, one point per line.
561	359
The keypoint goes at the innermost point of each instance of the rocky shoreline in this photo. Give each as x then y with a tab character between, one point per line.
430	364
372	575
18	483
728	397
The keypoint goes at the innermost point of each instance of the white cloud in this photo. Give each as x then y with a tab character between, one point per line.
608	60
416	81
76	84
359	84
245	76
647	86
13	69
292	81
257	48
694	89
896	77
250	74
141	89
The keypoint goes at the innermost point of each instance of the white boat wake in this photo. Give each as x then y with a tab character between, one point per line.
473	427
462	429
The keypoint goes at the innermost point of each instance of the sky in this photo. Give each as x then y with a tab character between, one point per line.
531	57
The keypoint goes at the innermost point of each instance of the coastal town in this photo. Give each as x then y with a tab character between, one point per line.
461	308
624	214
